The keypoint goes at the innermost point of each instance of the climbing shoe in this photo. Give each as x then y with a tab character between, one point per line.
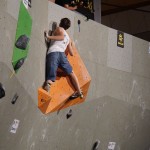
46	86
76	95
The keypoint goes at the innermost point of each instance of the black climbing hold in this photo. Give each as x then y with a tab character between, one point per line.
22	42
69	114
19	64
79	22
50	32
29	3
14	99
54	26
96	145
2	91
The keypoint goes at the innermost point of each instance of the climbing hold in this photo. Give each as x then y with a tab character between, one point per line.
14	98
58	98
79	22
69	114
22	42
54	26
19	64
29	3
96	145
2	91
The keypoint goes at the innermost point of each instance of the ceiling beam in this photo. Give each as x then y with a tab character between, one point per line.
123	8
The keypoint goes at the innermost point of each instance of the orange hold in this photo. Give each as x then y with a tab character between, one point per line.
62	89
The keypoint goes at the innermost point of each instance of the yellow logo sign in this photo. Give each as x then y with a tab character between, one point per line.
120	39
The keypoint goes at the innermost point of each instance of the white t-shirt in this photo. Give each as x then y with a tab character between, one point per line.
59	46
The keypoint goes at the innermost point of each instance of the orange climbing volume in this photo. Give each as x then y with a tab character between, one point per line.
62	89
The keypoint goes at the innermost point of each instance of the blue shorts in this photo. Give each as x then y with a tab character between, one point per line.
55	60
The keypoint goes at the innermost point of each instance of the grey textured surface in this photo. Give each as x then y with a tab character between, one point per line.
119	58
127	21
117	108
